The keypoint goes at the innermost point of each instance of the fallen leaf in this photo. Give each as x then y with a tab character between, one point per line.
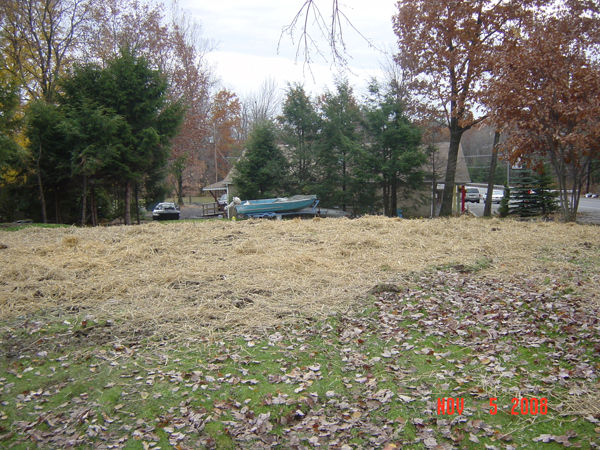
543	438
430	442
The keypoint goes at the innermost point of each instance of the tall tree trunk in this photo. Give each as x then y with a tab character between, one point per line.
456	133
84	201
57	209
386	196
578	176
93	207
589	175
560	170
394	198
128	203
41	186
487	211
432	151
137	203
344	183
179	189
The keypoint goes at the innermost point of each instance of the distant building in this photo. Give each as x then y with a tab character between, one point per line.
427	201
221	187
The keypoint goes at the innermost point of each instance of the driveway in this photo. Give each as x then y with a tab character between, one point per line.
195	212
589	210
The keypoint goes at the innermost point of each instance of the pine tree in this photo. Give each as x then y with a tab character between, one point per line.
9	121
261	171
523	202
394	155
533	194
544	193
504	208
300	125
338	147
120	122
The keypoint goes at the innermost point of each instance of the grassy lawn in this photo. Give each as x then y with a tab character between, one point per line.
406	334
21	226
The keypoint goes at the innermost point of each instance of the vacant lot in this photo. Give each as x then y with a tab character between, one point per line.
321	332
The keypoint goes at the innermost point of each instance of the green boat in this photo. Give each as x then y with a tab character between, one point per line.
276	205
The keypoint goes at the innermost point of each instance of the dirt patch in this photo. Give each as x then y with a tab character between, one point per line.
36	335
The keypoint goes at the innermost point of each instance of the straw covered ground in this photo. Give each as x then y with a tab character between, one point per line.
234	277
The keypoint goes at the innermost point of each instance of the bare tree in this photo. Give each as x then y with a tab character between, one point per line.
310	24
263	105
487	211
39	37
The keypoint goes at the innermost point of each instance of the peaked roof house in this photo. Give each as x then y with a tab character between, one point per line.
221	187
435	167
427	201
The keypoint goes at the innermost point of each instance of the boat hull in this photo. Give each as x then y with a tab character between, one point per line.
276	205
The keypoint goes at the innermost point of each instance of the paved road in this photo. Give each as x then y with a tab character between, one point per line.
589	209
194	212
477	208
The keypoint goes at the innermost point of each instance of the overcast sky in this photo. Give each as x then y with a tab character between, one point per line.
246	34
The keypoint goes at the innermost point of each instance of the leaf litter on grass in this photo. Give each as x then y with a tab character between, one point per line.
368	376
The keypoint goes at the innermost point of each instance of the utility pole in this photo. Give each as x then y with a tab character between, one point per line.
215	145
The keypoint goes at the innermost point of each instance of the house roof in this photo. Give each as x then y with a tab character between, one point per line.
221	185
441	162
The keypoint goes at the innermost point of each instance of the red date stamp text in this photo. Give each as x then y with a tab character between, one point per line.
522	406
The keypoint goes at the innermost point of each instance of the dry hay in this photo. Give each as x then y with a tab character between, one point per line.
582	400
209	276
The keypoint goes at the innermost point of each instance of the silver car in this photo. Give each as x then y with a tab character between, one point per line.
497	195
473	195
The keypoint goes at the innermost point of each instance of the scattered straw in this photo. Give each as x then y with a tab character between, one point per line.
582	400
209	276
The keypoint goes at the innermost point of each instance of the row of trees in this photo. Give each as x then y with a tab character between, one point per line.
353	155
108	132
529	68
52	55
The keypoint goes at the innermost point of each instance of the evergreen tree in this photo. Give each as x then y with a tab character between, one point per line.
504	207
9	123
395	157
49	156
122	123
338	148
261	171
544	193
300	126
533	193
523	202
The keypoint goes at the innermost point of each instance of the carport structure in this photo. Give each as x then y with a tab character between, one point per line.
220	187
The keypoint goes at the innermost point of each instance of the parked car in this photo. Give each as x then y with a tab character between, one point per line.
473	195
590	195
165	211
223	200
497	195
